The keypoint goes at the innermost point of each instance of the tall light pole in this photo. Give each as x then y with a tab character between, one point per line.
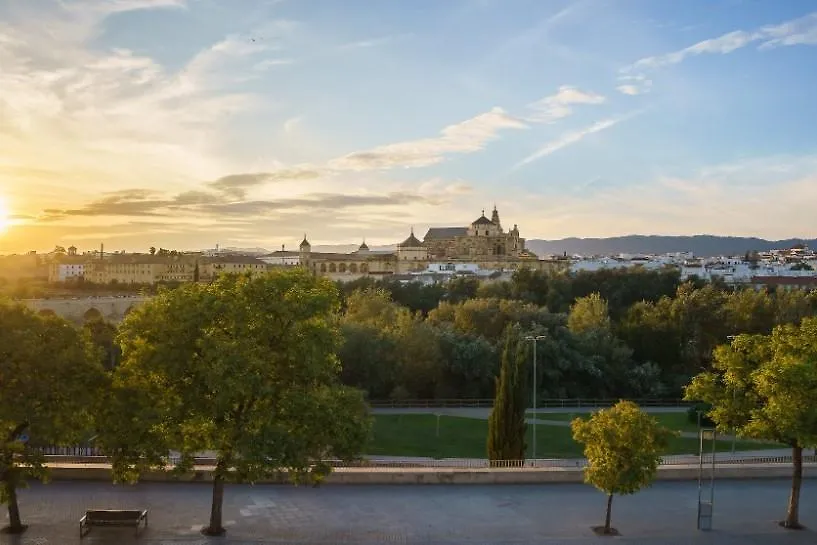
734	392
534	340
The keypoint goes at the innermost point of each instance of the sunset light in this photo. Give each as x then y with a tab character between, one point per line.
4	215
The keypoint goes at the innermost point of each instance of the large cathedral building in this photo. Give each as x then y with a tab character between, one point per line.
483	240
484	243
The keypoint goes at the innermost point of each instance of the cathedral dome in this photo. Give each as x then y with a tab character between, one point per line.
411	242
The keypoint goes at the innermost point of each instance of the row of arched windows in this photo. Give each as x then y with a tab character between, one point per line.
343	268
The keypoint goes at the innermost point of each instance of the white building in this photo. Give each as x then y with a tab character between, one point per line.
66	271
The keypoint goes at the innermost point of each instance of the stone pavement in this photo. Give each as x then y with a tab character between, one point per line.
745	514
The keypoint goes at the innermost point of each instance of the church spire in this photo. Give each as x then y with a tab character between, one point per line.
495	216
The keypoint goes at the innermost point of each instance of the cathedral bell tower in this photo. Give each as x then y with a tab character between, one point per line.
495	218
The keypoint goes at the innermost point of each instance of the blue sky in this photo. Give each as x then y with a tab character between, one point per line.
186	123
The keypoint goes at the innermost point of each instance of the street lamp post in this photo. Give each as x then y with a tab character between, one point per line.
534	340
734	392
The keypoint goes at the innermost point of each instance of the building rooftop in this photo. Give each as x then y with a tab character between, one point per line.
411	242
445	232
243	259
482	220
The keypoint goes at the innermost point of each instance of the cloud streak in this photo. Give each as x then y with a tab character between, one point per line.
196	204
801	31
467	136
569	138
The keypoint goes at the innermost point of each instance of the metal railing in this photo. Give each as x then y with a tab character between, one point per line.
547	403
475	463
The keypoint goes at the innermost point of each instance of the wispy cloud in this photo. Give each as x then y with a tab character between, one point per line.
634	85
559	105
375	42
136	203
801	31
117	6
236	185
467	136
569	138
114	117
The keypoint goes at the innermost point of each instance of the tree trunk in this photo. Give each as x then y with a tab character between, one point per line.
792	514
15	525
215	528
609	510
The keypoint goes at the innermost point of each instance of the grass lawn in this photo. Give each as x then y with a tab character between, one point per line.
674	421
415	435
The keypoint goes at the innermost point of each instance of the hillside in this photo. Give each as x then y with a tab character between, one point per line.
700	245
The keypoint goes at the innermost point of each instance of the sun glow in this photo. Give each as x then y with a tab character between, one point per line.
5	221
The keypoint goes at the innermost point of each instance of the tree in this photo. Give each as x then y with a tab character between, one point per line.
243	366
461	289
369	359
490	317
373	307
530	286
49	377
103	335
623	447
469	365
196	273
152	250
506	425
764	387
589	313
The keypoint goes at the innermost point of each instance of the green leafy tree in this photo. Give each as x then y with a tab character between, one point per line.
589	313
243	366
49	377
461	289
469	365
374	307
419	357
103	335
369	359
506	425
764	386
750	311
490	317
623	447
152	250
530	286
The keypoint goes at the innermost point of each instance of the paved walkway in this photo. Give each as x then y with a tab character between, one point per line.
745	514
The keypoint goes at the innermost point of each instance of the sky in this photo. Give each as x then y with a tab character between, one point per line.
190	123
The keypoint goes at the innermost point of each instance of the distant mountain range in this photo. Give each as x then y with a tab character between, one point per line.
699	245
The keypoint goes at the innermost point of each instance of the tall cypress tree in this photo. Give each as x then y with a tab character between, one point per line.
506	425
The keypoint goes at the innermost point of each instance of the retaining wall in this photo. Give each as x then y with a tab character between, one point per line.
384	476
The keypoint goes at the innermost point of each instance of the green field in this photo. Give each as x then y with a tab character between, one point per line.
674	421
415	435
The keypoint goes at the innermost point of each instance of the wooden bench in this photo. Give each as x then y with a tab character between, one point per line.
111	517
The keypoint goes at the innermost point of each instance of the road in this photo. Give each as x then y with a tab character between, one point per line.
745	514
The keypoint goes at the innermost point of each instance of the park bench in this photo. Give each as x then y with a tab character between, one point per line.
111	517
